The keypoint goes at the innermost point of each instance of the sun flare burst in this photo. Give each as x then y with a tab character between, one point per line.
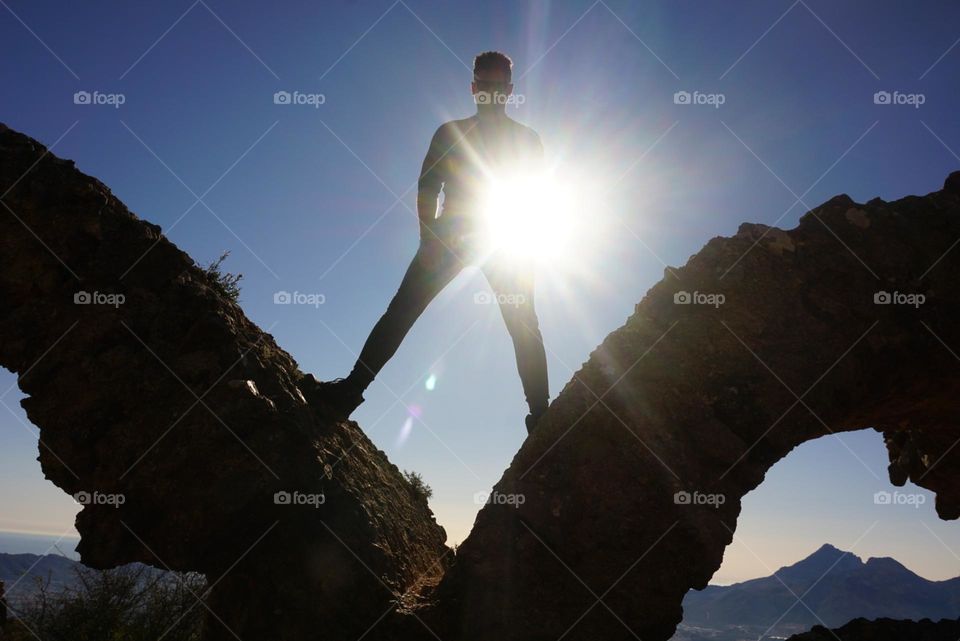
530	217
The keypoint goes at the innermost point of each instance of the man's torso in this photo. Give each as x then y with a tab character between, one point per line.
472	152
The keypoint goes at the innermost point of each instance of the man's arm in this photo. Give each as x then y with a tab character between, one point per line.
431	182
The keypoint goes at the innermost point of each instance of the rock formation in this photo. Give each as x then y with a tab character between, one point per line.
171	398
885	630
632	481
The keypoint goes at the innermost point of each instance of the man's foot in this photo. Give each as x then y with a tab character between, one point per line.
533	418
339	397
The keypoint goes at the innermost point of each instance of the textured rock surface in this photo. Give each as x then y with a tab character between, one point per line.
152	399
695	398
885	630
684	398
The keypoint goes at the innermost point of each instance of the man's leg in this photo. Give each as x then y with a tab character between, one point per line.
432	269
513	287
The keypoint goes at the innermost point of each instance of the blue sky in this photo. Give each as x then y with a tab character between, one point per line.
319	200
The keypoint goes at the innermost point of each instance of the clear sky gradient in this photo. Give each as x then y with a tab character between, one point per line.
320	200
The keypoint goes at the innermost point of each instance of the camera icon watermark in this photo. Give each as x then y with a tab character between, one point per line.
698	298
96	98
699	98
298	98
489	298
99	498
499	498
98	298
897	98
899	498
298	298
898	298
499	98
684	497
299	498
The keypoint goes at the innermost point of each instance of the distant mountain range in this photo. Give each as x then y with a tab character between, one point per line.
20	573
835	587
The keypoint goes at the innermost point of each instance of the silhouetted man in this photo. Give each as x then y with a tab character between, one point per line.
462	158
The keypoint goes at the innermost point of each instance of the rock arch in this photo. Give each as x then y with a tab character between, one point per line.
176	400
706	398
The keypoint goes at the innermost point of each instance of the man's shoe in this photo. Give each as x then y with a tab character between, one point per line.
339	397
533	418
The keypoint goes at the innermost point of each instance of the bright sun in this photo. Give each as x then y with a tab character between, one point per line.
530	217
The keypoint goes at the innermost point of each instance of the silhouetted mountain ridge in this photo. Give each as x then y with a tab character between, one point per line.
828	587
826	559
885	630
14	566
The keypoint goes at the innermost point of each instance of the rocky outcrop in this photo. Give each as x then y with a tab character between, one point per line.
633	480
173	400
885	630
150	386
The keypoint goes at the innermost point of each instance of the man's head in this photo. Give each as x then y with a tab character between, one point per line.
492	75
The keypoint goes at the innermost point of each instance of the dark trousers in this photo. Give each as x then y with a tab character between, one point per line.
436	263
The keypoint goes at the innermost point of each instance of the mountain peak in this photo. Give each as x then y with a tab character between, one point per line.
886	563
830	551
846	588
827	548
826	559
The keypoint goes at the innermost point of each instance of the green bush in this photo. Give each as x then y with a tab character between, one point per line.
417	485
225	283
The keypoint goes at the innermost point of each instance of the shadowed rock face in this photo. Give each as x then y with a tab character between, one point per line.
175	400
694	398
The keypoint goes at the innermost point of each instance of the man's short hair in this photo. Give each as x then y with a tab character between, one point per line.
493	61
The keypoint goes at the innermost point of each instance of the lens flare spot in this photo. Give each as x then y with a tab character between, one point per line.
431	382
405	431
